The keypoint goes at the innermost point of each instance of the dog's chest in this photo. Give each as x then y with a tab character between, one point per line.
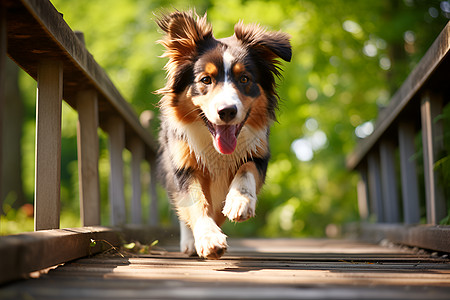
219	165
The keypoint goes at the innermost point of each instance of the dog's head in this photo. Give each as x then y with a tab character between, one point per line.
227	83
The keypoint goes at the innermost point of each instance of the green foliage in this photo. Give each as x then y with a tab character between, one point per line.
348	59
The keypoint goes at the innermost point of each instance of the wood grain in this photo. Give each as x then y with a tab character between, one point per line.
137	156
88	153
433	144
27	252
408	173
252	269
48	145
116	133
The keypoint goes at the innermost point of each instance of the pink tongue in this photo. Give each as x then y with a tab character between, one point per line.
226	138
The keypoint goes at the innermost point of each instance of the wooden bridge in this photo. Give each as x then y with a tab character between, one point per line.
51	263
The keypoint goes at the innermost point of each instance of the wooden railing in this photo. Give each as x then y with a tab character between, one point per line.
414	108
36	37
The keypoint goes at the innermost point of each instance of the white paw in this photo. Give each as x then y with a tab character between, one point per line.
238	206
187	242
187	246
212	245
210	242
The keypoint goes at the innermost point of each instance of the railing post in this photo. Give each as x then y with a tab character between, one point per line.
389	181
88	152
154	213
48	145
410	193
3	42
432	141
375	193
116	132
137	156
146	118
362	190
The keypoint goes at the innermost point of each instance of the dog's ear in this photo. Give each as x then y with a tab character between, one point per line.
269	44
185	31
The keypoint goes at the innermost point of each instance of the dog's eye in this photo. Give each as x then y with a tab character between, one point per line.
206	80
244	79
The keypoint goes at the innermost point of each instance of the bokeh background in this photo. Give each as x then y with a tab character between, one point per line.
349	58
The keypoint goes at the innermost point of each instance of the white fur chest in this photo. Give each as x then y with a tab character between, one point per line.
219	165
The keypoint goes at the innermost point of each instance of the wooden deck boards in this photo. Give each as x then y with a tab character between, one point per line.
252	269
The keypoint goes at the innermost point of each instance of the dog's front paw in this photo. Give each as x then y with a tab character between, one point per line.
212	245
210	242
239	206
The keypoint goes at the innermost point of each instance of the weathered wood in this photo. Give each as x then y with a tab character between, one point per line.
362	190
137	156
375	192
154	212
116	132
146	118
389	181
28	252
88	152
432	141
48	145
252	269
410	192
3	47
428	65
436	238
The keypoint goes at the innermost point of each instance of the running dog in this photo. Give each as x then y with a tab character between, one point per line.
216	111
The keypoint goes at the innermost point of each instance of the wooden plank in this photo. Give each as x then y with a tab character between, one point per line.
116	132
389	181
137	156
28	252
429	64
252	269
3	47
48	145
88	153
410	192
436	238
375	192
433	144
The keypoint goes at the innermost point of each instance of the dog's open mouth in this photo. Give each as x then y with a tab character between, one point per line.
225	136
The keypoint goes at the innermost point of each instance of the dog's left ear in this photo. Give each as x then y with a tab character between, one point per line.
185	31
269	44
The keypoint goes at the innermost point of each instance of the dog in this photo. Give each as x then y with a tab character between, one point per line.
216	111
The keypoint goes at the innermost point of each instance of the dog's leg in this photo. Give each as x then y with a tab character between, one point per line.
210	242
187	245
241	200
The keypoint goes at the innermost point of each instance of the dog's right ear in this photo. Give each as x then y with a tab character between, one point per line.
185	31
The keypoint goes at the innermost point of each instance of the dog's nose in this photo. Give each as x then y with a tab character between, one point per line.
227	113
